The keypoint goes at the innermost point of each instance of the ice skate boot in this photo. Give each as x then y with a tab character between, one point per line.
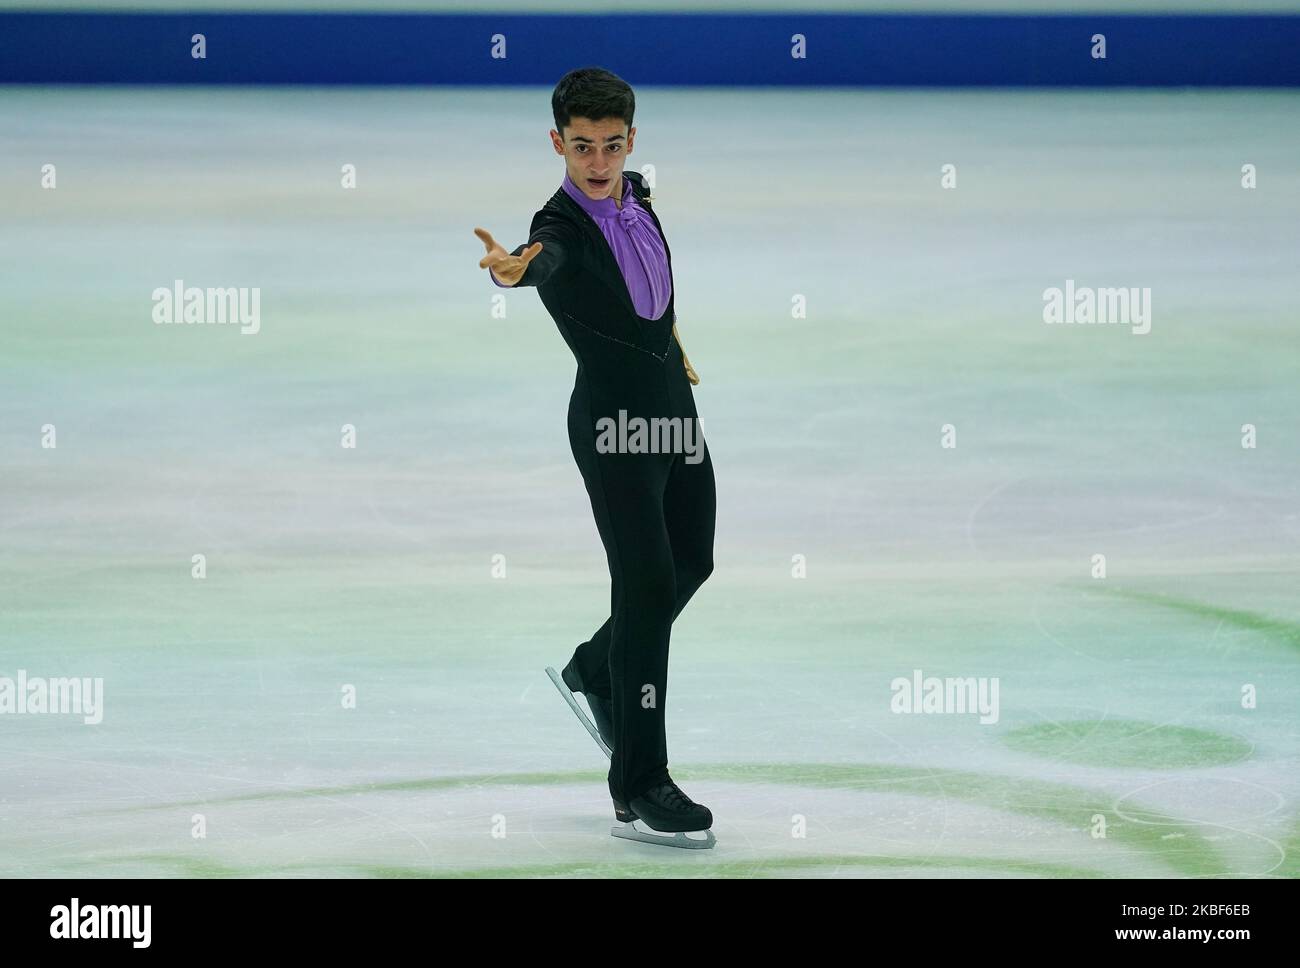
669	814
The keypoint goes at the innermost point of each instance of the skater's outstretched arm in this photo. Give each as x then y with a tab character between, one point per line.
551	243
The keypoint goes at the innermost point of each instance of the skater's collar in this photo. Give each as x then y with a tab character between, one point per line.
601	207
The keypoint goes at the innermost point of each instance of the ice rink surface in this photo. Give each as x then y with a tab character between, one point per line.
1122	744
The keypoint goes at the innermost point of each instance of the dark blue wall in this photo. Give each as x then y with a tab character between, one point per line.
715	49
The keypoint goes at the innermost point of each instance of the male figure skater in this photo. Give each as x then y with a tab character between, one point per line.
602	267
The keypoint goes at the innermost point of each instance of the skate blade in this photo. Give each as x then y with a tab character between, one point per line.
577	711
630	831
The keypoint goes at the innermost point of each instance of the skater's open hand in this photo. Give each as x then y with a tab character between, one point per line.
508	269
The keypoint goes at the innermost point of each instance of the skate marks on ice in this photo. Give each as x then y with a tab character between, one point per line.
1129	743
894	820
1278	630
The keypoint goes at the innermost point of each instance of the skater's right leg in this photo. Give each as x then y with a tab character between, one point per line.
626	493
643	603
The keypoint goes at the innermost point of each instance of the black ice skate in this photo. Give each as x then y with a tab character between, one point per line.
603	731
669	813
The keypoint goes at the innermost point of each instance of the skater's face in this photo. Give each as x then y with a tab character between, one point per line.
593	154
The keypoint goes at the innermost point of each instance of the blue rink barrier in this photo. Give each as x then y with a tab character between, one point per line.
673	49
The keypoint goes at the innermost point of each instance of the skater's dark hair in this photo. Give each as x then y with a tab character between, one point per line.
591	92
